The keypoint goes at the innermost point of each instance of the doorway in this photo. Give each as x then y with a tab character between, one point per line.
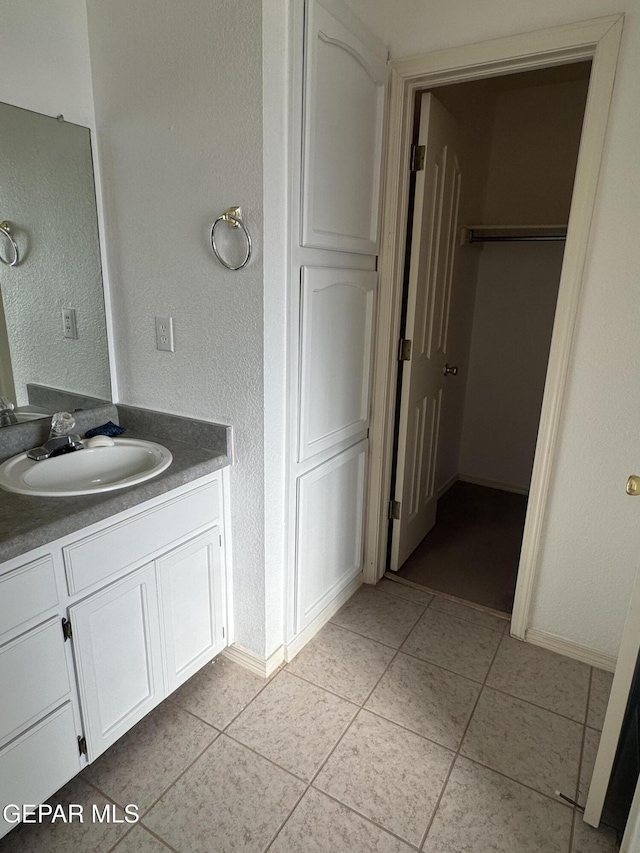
488	213
597	40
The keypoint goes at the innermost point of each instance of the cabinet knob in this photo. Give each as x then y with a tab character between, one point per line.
450	369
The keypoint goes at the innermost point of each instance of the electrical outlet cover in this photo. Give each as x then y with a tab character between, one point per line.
164	334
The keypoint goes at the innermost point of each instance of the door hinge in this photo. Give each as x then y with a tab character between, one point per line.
82	744
404	350
418	153
394	510
67	633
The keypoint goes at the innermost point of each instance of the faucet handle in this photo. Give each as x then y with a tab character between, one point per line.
62	423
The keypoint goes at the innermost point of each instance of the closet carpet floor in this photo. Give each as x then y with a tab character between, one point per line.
409	723
474	548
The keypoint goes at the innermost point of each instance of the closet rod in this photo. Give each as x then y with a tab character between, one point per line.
523	238
515	234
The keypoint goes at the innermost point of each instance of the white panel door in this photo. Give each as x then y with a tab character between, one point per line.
345	84
335	356
433	245
117	647
192	606
330	514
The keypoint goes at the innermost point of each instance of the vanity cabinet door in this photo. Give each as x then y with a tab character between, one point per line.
117	647
191	606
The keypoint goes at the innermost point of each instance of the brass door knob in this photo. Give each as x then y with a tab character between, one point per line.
633	485
450	369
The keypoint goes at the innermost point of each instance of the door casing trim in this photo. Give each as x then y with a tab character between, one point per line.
597	40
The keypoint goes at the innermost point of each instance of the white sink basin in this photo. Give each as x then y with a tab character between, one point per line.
127	462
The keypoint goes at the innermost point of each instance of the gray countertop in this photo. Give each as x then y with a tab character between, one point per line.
29	522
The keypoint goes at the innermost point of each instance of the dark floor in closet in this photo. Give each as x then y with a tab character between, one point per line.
474	548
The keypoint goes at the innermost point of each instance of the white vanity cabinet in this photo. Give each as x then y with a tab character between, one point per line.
101	626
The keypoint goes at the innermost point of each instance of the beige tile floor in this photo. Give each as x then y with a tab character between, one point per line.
408	723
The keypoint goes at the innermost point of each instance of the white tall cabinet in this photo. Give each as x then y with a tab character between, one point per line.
337	132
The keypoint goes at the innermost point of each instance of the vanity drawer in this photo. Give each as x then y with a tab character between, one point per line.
108	552
39	762
33	675
26	593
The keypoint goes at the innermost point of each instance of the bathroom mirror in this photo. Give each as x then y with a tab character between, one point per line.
53	342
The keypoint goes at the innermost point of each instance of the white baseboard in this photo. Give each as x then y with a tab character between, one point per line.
295	645
444	488
252	661
570	649
494	484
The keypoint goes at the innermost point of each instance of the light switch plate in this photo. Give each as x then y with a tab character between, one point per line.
164	334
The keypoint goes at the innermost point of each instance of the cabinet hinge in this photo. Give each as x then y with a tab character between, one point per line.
67	633
82	744
404	350
417	158
394	509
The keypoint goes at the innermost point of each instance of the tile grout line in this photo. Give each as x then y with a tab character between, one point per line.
168	788
379	592
502	634
454	599
482	685
533	704
455	758
430	606
358	634
158	838
333	749
155	835
126	835
445	669
267	682
113	802
196	717
518	782
355	811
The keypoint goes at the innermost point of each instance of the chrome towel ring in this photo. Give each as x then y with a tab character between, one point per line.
5	229
233	217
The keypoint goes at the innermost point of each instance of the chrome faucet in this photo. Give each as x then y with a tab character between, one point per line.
7	417
61	439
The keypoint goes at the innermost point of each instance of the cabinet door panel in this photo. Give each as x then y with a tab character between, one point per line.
34	676
192	607
335	356
343	124
116	637
39	762
27	593
330	510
